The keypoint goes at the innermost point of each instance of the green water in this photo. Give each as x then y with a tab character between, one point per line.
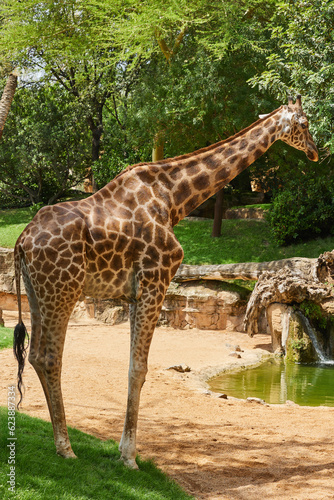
276	382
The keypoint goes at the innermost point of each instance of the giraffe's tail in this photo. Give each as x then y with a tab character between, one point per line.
20	331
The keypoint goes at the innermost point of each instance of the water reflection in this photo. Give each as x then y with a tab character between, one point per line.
276	382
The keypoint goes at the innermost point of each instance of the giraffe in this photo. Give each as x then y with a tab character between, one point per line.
119	243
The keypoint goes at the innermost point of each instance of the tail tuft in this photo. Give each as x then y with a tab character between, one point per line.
20	352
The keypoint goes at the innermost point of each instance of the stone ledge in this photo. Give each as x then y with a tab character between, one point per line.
195	304
245	213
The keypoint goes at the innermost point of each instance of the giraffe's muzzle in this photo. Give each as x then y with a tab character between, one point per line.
312	153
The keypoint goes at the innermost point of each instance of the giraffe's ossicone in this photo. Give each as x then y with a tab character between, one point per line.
119	242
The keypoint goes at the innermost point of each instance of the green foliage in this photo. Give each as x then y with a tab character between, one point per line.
97	474
191	102
318	318
301	61
118	74
45	147
298	344
303	210
117	154
6	337
155	27
243	288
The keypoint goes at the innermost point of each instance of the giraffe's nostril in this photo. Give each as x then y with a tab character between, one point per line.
312	155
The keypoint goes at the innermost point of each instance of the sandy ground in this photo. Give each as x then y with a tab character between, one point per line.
215	448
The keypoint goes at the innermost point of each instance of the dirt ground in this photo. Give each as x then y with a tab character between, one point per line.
215	448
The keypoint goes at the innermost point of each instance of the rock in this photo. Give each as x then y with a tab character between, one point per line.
283	287
290	403
278	317
180	368
202	305
235	355
299	347
256	400
245	213
223	396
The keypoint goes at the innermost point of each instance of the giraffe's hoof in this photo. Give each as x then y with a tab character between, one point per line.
130	463
66	453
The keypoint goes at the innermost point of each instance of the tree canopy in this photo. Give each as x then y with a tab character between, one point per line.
108	79
302	61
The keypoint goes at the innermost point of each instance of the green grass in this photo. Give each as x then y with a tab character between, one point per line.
241	241
263	206
12	223
6	337
97	473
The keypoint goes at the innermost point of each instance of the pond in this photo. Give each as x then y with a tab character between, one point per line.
275	382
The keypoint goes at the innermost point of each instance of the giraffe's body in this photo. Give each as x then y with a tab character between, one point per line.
119	243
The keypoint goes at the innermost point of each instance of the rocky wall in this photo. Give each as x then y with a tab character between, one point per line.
195	304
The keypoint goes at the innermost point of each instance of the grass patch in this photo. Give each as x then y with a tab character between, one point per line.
12	223
263	206
243	288
241	241
6	337
97	474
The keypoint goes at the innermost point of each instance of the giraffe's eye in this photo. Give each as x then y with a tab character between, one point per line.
304	125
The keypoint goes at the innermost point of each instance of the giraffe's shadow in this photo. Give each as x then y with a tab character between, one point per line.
97	473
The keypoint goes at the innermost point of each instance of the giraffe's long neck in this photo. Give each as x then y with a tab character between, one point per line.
199	175
171	189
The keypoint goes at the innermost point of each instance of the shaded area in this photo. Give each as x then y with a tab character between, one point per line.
98	474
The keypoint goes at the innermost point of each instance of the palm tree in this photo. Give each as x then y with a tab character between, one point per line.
6	98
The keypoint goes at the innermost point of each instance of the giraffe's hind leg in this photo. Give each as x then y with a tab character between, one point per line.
46	350
49	322
49	361
35	337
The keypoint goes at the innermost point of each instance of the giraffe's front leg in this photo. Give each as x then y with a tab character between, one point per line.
143	317
127	444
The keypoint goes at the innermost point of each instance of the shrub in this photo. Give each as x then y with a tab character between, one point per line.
303	210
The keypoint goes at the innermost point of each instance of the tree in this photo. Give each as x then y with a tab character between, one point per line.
45	147
155	31
57	39
6	99
103	53
302	62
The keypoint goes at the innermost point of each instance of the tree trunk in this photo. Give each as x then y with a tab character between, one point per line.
158	147
308	269
281	288
218	217
97	130
7	98
288	287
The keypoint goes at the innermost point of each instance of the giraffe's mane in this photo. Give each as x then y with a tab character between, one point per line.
198	151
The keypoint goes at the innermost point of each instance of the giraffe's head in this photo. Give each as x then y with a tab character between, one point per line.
295	129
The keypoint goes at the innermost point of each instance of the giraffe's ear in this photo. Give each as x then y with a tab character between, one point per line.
263	116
